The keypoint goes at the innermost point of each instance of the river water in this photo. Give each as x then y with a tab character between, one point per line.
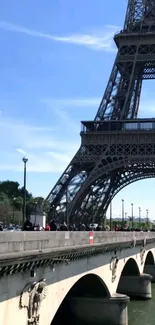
142	312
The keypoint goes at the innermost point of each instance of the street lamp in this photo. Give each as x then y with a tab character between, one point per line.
132	214
139	216
35	213
14	199
122	213
25	160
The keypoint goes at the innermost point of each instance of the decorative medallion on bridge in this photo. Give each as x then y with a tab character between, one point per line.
142	254
31	299
113	267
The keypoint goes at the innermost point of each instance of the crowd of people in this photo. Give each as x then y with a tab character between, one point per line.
53	226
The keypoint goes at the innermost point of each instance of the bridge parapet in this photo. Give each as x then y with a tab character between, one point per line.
24	242
61	260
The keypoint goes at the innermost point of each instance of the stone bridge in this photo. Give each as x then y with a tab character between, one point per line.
51	278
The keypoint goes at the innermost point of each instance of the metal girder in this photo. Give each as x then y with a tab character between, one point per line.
139	16
135	61
109	159
107	182
100	171
123	178
95	199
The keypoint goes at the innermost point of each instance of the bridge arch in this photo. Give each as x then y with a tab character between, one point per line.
130	269
149	263
90	285
149	260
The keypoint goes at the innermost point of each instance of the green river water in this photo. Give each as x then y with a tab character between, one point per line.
142	312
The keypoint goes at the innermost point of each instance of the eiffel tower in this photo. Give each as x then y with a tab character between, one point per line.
117	148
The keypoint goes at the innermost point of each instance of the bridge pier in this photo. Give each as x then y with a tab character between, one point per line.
136	286
150	269
112	311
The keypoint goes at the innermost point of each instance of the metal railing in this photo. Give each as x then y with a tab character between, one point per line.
113	126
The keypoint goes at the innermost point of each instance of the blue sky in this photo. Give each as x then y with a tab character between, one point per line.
55	60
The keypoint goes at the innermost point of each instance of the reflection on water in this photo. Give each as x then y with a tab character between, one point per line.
142	312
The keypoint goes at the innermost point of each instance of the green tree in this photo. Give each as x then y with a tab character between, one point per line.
37	204
11	202
10	188
5	208
42	203
17	203
46	206
30	207
28	194
13	190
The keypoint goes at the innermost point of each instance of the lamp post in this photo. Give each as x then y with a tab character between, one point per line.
132	214
35	213
110	215
139	216
14	199
122	213
25	160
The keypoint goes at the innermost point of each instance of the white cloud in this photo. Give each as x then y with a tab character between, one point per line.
66	121
99	40
46	150
40	162
21	151
72	102
60	156
58	108
13	124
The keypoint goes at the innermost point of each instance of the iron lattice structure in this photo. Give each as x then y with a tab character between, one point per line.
117	148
